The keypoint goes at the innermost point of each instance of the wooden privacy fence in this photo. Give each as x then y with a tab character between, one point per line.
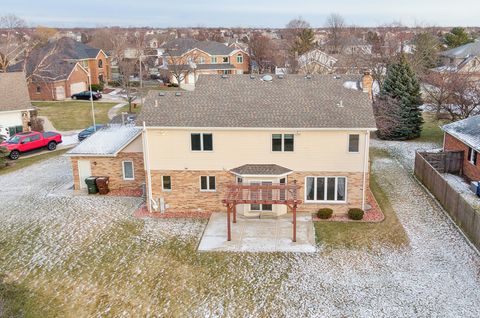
462	213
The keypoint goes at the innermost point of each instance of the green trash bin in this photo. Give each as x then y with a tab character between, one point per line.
91	185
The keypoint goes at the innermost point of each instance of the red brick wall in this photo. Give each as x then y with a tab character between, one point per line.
96	71
47	90
469	170
246	62
78	75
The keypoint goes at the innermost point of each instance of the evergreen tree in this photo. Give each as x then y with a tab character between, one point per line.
402	85
304	42
457	37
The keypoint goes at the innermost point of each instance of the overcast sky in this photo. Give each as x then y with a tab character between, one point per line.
246	13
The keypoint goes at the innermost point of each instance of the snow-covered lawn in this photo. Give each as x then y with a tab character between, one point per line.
87	257
461	186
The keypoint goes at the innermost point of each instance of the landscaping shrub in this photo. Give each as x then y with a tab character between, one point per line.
172	85
355	214
97	87
324	213
3	155
114	83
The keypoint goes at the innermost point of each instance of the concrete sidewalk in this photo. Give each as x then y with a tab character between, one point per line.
259	235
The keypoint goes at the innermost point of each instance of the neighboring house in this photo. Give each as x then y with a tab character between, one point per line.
15	103
464	135
61	68
193	58
316	62
462	59
311	131
115	151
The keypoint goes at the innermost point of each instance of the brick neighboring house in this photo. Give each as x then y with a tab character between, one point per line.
61	68
15	103
116	152
464	135
203	57
257	130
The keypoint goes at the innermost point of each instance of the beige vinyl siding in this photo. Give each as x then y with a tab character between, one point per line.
314	150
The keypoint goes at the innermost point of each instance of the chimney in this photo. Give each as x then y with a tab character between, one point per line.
367	83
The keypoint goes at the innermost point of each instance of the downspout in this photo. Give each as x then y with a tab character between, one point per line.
365	167
146	160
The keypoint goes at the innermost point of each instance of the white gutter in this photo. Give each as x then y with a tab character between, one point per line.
146	161
365	167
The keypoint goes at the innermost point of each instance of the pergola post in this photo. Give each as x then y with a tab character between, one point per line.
234	213
229	234
294	223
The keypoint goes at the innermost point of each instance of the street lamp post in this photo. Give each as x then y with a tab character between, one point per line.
91	100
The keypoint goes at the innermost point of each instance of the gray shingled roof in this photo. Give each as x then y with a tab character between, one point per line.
467	131
13	92
464	51
261	169
107	141
240	101
183	45
62	55
178	67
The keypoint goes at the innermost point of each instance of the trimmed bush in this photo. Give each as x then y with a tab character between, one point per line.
324	213
355	214
97	87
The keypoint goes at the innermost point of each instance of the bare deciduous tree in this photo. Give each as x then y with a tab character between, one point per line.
180	65
262	51
336	28
12	44
387	115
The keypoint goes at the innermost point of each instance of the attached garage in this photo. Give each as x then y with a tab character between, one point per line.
59	93
77	87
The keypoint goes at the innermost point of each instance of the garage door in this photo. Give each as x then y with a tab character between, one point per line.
77	88
59	93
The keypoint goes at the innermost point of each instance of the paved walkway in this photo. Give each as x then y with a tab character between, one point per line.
112	112
259	235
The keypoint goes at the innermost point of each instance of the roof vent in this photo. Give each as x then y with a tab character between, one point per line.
224	76
337	77
280	76
178	94
252	76
267	78
308	76
340	104
156	103
161	94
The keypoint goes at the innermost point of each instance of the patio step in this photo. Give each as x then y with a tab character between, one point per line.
268	215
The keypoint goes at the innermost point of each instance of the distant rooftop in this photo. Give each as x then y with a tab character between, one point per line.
182	45
464	51
290	101
13	92
106	142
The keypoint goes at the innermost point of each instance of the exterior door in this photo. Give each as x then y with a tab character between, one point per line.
262	195
84	171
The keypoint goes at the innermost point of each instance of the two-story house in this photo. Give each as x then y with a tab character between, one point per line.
61	68
464	59
188	147
194	58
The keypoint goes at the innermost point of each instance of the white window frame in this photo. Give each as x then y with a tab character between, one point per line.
348	143
283	143
214	60
201	142
241	58
325	190
163	187
133	170
201	60
473	154
208	184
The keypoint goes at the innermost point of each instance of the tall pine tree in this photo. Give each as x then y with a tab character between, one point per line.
402	85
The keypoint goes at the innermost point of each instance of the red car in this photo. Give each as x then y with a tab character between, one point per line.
27	141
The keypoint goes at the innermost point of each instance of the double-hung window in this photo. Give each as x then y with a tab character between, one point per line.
282	142
240	59
208	183
353	143
128	171
201	142
214	60
325	189
472	156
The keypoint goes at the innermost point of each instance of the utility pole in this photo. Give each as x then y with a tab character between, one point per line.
91	100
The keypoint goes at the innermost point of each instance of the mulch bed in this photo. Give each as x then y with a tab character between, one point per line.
125	193
107	90
373	215
142	213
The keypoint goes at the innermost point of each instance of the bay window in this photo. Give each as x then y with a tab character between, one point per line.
325	189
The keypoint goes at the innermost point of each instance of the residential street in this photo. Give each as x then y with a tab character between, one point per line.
68	255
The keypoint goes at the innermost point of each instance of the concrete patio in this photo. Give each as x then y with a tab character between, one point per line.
259	235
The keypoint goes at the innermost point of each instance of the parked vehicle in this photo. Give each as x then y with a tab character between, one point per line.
4	132
27	141
88	132
86	95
